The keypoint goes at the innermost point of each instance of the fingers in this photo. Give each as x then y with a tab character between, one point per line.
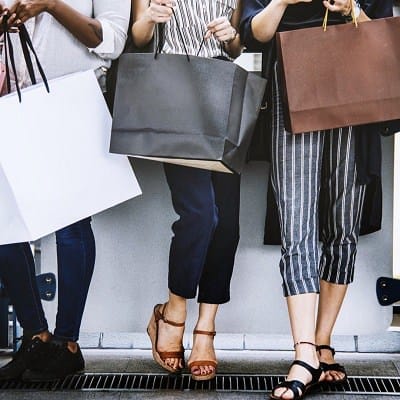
217	22
13	22
160	11
342	6
167	3
222	29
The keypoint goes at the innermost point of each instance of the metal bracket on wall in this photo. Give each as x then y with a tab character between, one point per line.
387	290
47	286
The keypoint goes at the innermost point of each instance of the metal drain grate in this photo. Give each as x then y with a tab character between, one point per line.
222	383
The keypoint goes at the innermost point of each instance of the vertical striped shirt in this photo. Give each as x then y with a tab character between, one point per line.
193	16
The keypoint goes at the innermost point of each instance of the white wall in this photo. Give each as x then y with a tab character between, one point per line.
132	258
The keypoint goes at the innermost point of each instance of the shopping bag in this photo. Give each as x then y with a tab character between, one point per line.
344	76
185	110
55	168
2	79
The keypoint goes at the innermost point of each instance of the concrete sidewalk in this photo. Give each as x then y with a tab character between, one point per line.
230	362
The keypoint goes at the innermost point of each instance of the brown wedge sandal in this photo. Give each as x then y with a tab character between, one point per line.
203	363
152	330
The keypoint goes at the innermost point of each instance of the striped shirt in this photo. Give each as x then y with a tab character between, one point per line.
193	16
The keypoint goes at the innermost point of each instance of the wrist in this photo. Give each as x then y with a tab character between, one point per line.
147	18
50	6
234	36
283	3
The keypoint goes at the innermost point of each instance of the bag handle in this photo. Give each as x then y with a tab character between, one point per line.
26	43
352	13
160	41
160	38
27	48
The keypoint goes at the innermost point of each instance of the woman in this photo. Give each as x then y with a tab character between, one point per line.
324	159
207	233
69	36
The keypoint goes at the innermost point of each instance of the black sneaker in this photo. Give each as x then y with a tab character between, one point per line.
31	352
60	363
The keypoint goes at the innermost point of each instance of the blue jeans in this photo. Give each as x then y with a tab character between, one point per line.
75	258
206	235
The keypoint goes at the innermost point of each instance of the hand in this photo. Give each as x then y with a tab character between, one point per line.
4	11
342	6
222	30
3	7
288	2
160	11
22	10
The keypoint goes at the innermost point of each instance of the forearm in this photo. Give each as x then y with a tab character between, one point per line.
87	30
265	24
142	31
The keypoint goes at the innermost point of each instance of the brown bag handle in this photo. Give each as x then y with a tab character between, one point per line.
352	12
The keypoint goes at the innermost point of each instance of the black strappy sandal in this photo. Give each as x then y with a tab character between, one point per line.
299	388
332	367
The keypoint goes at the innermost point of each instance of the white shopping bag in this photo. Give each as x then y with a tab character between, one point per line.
55	168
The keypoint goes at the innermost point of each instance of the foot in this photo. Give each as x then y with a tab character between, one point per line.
32	351
303	376
203	361
334	372
168	336
61	361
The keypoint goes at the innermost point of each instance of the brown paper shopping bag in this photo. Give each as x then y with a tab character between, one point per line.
343	76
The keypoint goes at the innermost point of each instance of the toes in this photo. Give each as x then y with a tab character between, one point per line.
175	363
195	371
332	376
202	370
337	376
285	394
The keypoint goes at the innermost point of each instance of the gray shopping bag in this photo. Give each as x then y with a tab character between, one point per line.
186	110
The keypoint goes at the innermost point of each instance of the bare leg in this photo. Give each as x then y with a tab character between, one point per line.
170	337
203	346
302	321
330	301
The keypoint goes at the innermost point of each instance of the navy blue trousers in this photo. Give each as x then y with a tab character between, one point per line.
75	258
206	234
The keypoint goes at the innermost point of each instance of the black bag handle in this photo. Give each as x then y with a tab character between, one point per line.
161	37
27	49
9	54
27	42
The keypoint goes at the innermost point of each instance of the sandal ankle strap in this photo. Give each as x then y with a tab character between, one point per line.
309	343
325	347
208	333
161	316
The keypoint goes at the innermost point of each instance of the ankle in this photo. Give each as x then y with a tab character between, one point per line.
205	324
44	336
72	347
306	351
322	339
175	311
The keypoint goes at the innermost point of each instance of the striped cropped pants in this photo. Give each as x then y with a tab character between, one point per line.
305	167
